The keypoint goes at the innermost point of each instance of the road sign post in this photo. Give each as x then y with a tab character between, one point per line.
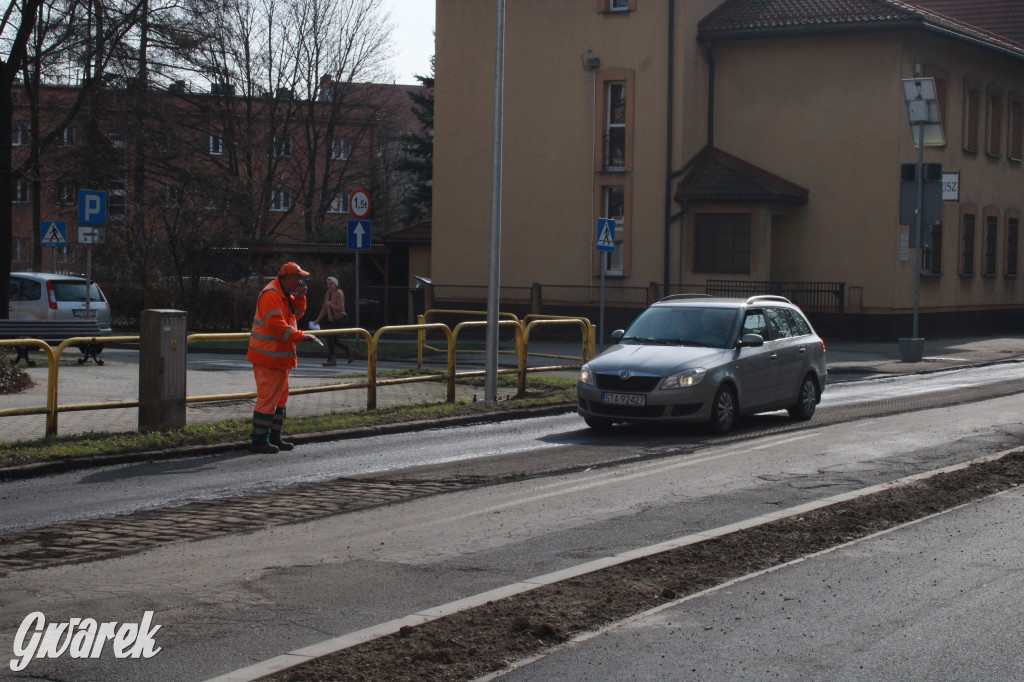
605	245
53	233
92	219
359	240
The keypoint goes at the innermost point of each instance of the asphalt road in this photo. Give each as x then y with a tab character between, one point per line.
235	599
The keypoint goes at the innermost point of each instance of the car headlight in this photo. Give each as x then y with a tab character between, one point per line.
587	376
686	379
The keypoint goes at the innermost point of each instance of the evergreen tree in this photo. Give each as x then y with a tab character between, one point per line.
418	160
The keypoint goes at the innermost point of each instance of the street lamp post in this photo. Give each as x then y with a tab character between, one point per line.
494	260
922	102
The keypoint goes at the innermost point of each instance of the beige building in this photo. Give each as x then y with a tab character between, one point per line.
739	143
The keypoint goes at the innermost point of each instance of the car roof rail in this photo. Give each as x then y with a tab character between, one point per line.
769	297
676	297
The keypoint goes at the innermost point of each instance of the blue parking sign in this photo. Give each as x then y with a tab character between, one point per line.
92	208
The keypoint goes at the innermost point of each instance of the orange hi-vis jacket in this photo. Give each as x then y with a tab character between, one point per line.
274	331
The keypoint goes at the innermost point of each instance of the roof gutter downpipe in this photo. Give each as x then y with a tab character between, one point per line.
711	93
670	123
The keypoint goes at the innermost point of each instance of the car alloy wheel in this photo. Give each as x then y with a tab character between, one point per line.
806	401
723	411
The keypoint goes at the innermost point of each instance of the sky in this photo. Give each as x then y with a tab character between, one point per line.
414	38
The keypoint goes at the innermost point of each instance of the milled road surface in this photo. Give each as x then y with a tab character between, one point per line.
236	599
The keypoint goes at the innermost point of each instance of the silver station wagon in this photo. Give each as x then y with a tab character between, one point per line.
698	359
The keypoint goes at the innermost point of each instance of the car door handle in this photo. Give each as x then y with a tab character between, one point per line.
774	356
801	350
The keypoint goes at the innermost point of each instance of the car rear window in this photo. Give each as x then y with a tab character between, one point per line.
70	291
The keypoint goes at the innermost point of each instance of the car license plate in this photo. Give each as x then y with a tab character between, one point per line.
635	399
85	313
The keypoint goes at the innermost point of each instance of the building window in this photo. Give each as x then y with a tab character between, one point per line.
1015	127
67	193
20	135
20	191
994	122
991	239
280	200
339	203
117	197
967	246
618	5
615	208
341	150
117	139
215	144
66	138
170	196
1012	227
931	250
721	243
615	126
282	146
972	111
19	252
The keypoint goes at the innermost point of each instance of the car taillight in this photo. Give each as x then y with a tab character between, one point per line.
102	297
823	345
51	296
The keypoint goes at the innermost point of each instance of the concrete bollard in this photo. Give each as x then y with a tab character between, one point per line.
162	369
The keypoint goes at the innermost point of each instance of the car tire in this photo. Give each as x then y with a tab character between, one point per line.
598	424
724	411
806	400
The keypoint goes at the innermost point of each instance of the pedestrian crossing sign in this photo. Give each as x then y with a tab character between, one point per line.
53	233
605	234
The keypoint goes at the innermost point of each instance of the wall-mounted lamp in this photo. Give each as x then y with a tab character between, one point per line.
592	63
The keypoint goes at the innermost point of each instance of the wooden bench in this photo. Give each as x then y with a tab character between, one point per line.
53	332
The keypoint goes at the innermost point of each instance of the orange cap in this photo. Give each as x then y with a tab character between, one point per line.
292	268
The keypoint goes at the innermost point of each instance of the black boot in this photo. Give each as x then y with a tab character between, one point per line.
263	447
277	442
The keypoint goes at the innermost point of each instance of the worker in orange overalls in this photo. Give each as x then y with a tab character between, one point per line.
272	353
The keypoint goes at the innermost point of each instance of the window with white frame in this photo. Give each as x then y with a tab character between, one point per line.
618	5
280	200
615	126
117	139
20	134
215	144
614	207
341	149
66	194
66	138
117	198
931	250
339	204
20	191
282	146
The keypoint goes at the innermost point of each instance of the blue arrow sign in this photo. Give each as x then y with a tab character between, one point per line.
605	234
92	208
54	233
359	235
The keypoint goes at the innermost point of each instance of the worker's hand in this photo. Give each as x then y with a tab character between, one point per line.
310	337
300	291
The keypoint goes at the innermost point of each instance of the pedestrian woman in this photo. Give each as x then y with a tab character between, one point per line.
272	343
334	317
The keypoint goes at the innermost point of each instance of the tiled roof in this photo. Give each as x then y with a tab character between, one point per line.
998	24
714	176
418	233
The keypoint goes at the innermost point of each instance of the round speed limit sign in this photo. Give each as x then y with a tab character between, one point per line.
359	203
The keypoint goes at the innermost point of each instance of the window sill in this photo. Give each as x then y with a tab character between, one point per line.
1010	275
933	275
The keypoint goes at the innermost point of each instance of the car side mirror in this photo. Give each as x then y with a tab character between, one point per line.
617	334
752	340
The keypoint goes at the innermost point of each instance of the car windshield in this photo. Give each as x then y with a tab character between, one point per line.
684	326
71	291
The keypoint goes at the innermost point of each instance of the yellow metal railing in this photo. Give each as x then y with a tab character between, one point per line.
522	331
